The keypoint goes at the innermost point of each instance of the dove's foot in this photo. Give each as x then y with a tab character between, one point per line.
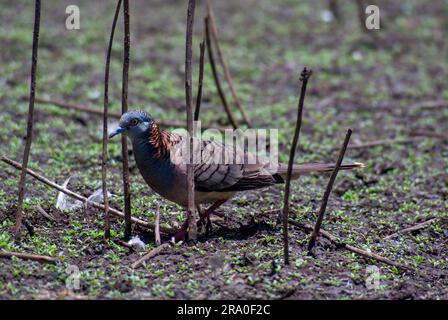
182	233
205	218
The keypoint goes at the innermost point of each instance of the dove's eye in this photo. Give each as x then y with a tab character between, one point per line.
134	122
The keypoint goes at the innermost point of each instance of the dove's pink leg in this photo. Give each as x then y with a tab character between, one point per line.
181	234
208	212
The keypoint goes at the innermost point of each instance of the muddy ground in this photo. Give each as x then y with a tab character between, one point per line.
374	82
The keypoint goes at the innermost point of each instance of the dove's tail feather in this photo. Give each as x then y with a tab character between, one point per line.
306	168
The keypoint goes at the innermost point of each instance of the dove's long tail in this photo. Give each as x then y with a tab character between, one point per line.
306	168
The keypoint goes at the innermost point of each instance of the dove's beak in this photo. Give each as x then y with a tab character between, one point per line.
117	131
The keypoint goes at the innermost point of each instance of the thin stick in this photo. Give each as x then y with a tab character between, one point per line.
335	240
124	244
77	196
28	256
361	14
124	109
335	10
191	210
30	121
97	112
375	143
43	213
419	226
304	76
430	104
430	134
157	226
323	205
105	118
224	65
216	77
200	81
150	255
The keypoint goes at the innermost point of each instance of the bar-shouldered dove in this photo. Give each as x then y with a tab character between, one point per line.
158	155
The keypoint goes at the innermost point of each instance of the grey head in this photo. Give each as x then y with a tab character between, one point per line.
135	123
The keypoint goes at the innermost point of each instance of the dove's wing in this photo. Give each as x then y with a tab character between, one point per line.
222	168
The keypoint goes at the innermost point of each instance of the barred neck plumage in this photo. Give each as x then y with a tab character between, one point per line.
161	141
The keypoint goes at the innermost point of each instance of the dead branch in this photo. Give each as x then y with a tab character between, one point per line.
30	120
386	142
224	65
335	240
150	254
200	81
216	76
333	5
157	226
430	104
124	244
77	196
124	109
419	226
191	209
430	134
327	193
105	118
304	76
89	110
43	213
27	256
361	14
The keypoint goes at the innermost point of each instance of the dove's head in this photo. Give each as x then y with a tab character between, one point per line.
134	123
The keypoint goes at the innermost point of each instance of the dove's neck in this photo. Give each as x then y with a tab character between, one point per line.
152	158
151	143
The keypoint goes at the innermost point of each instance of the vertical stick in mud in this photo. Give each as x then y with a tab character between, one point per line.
324	202
334	7
216	76
304	76
124	108
200	81
105	117
30	121
191	209
224	65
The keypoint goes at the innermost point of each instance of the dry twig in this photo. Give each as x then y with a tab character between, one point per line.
27	256
386	142
124	109
305	75
216	76
333	5
419	226
227	74
191	209
351	248
200	81
77	196
327	193
105	118
124	244
430	134
430	104
150	255
43	213
157	226
30	121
